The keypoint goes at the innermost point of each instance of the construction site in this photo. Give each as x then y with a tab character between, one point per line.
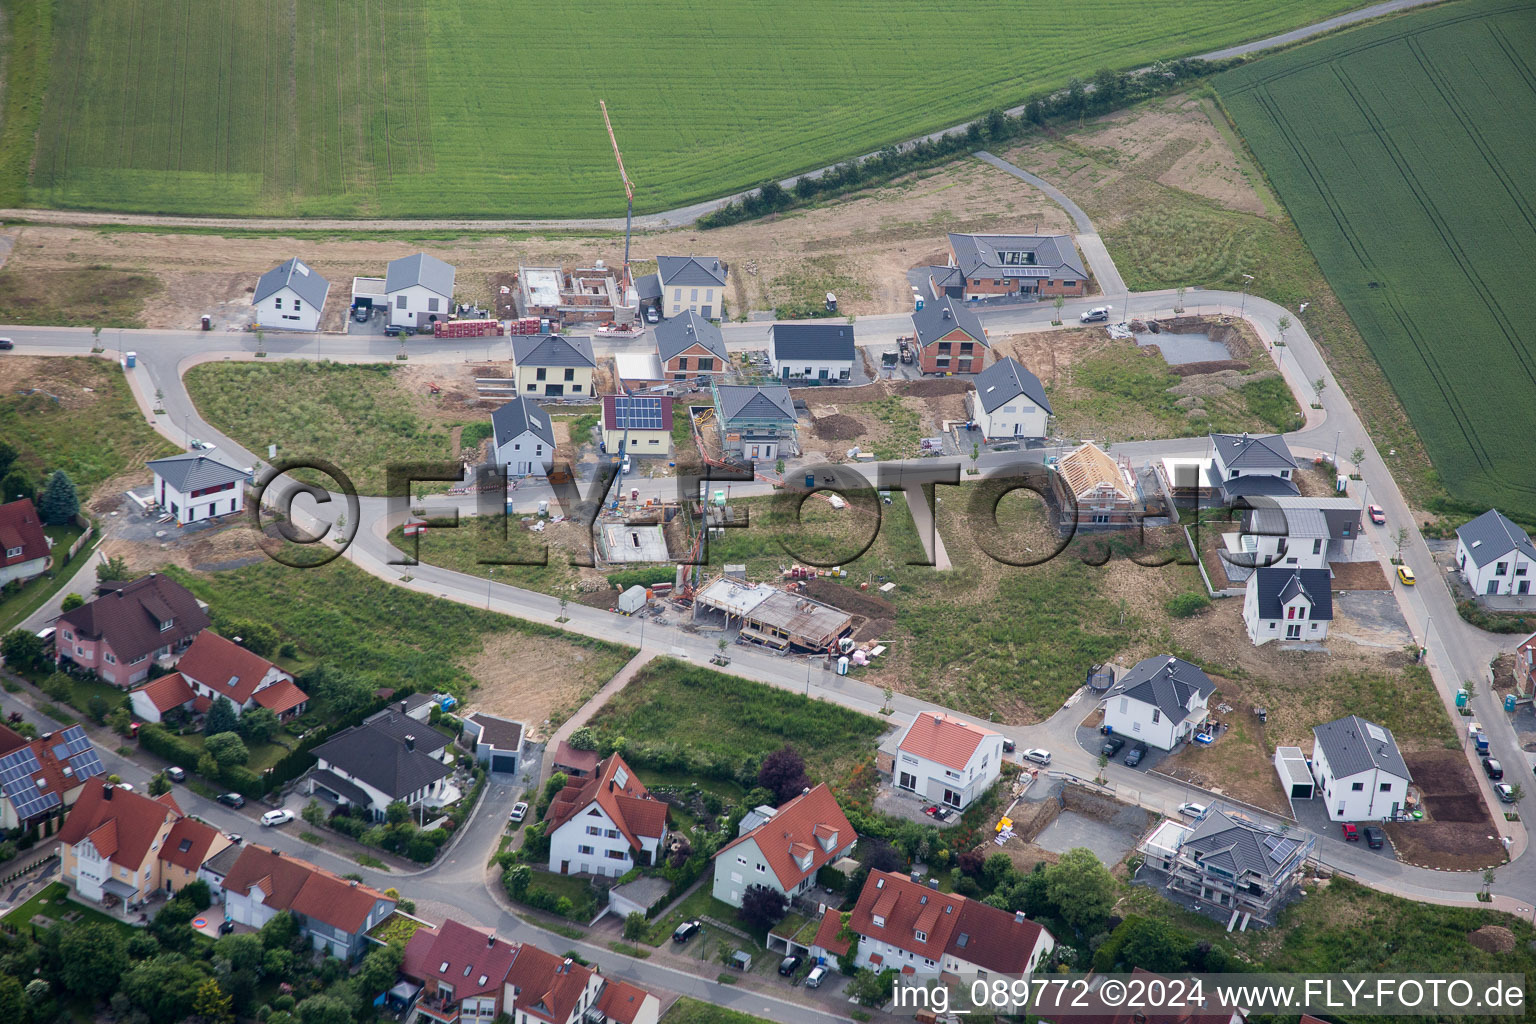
572	295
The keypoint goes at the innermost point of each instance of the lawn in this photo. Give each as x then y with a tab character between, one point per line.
356	417
692	1011
1403	146
53	901
380	110
74	298
480	546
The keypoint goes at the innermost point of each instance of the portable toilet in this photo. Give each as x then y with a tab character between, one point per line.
543	508
842	666
1509	702
1461	698
130	359
918	304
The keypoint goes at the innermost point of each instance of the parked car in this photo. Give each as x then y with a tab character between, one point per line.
46	635
816	977
686	931
1037	755
361	313
790	964
519	811
652	315
1506	792
1009	746
1097	314
1406	575
1112	746
234	837
125	785
231	799
1377	513
176	774
1135	754
1374	837
198	444
7	343
1192	810
395	330
1351	832
1493	769
281	816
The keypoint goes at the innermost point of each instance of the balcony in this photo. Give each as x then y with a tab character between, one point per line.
437	1008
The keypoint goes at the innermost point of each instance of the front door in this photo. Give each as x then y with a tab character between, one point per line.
705	312
1293	631
554	390
952	798
1493	586
565	867
907	781
1524	587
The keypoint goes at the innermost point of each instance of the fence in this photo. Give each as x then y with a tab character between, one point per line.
82	540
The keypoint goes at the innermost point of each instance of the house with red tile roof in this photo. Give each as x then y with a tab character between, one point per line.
606	824
546	989
159	697
40	778
785	852
462	971
910	927
623	1003
334	912
25	550
120	846
945	760
127	626
215	667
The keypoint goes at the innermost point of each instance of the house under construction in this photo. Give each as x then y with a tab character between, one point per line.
1100	491
774	618
574	295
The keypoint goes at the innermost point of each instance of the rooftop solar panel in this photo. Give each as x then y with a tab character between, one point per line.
631	413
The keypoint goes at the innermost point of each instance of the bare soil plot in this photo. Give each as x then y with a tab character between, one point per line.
536	680
886	417
1458	833
1359	576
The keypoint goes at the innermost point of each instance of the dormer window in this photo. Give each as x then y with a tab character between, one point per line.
166	624
921	936
879	921
12	552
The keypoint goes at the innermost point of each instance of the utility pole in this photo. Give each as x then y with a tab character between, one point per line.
629	192
1243	308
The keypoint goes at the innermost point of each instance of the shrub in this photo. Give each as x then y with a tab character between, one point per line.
1182	606
635	926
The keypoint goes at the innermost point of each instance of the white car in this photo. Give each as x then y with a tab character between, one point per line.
278	817
1098	314
1035	754
1192	810
519	811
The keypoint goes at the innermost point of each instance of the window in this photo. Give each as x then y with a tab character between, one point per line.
1317	546
432	305
705	364
694	296
533	387
1386	787
965	348
742	861
540	373
761	869
1500	568
1069	284
585	850
1157	716
1125	703
12	552
166	625
278	302
618	855
297	305
594	830
570	374
400	302
111	658
1357	787
682	363
944	347
921	936
677	295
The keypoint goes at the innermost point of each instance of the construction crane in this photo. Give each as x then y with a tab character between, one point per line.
629	190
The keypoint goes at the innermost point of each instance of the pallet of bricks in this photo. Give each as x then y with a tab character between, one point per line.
467	328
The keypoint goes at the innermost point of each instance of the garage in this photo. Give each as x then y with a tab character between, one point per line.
1295	774
504	763
498	742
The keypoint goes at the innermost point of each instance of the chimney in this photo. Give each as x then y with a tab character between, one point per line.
1018	917
933	883
410	742
106	791
403	706
490	942
353	882
917	878
947	313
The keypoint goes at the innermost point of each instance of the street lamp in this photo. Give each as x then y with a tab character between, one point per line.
1243	308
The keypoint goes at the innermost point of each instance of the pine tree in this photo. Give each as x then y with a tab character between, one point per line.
60	503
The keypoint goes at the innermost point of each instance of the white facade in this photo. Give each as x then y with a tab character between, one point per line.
591	843
1044	943
933	780
1255	549
1018	417
1364	796
1137	720
199	505
286	310
23	570
418	306
743	866
433	795
1295	623
588	997
526	455
1510	573
706	300
812	369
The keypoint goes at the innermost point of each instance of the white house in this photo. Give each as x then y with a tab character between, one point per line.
820	352
1360	773
524	438
1298	532
1252	464
692	283
1495	556
1008	401
785	852
389	757
1161	701
195	486
28	550
947	760
605	825
1288	604
214	667
335	913
419	289
290	297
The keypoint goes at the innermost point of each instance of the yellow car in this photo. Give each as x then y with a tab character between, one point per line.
1406	575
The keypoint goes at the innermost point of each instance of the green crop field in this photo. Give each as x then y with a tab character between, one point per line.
1403	151
489	107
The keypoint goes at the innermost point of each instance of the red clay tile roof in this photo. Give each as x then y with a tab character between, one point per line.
826	934
167	692
994	939
942	738
631	808
214	661
281	697
800	827
621	1002
190	843
134	820
128	615
476	960
584	761
900	902
20	527
202	705
293	884
546	986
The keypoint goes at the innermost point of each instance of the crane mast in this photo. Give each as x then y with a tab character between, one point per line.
629	190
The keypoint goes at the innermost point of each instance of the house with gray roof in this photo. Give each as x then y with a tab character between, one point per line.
689	345
1290	531
1282	603
419	289
1360	773
692	283
1161	701
389	757
812	352
1009	401
524	438
553	365
195	486
949	338
756	424
1234	869
290	297
1025	267
1495	556
1248	465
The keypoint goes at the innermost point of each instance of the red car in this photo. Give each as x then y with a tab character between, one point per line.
1351	833
1377	513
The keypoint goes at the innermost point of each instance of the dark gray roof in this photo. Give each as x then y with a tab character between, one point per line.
518	416
220	863
1006	380
745	402
690	271
679	333
1167	683
306	283
1252	486
348	791
1253	451
1492	536
940	317
191	471
1051	252
552	350
1279	585
1341	514
1353	745
648	287
427	271
1239	846
375	752
825	342
501	733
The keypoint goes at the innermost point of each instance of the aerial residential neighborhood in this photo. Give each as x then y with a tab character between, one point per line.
783	514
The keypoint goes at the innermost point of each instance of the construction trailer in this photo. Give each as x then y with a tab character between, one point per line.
773	618
573	295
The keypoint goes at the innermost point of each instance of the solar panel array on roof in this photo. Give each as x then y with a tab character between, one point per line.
636	413
1279	849
16	770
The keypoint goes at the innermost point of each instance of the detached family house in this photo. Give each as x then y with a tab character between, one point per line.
757	424
387	758
126	626
1026	267
1099	491
1244	466
1304	533
195	486
1243	871
28	551
1495	556
606	824
334	912
524	437
553	365
785	852
949	338
214	667
290	297
637	425
946	760
419	289
1288	604
692	284
1360	773
819	352
1161	701
1009	401
42	777
690	345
